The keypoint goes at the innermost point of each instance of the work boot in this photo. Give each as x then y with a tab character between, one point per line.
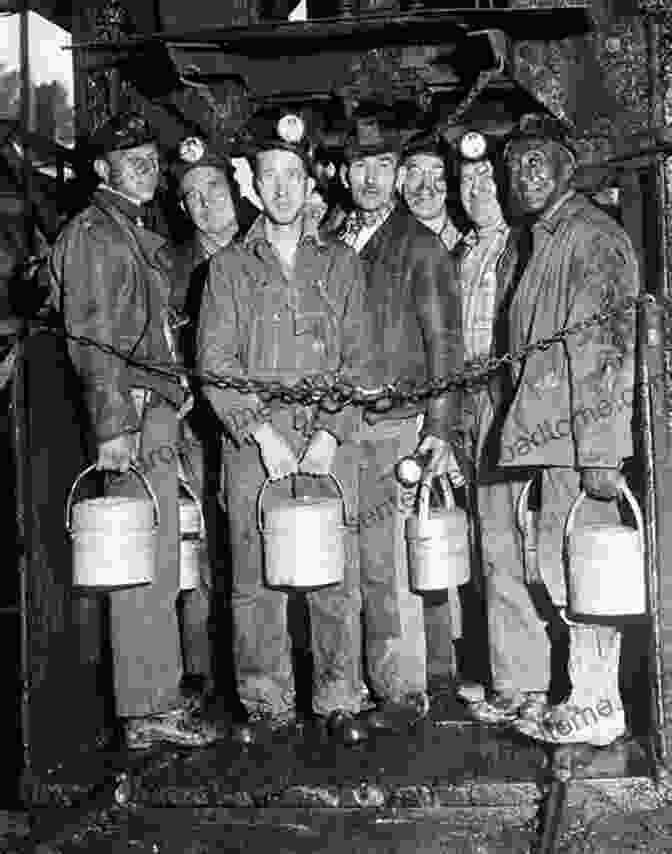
260	721
502	708
178	727
569	723
399	715
345	728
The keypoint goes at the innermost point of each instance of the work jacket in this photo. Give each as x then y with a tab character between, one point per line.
413	299
110	280
571	404
256	323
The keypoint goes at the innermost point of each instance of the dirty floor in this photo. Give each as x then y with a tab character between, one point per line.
449	786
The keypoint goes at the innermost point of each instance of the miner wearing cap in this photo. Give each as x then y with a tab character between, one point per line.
203	179
550	419
478	166
413	299
113	289
280	305
426	160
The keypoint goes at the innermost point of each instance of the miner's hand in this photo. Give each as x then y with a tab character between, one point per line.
318	457
439	459
117	454
278	458
603	484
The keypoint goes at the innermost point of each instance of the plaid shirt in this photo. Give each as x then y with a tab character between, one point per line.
479	283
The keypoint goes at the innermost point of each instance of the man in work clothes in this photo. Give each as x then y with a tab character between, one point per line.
427	161
580	262
280	305
113	289
478	252
414	303
204	178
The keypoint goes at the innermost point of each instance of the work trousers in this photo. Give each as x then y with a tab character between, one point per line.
520	651
395	645
196	604
261	642
144	626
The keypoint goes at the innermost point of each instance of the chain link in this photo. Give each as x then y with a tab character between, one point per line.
333	391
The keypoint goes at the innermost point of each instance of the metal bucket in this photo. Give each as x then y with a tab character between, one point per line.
303	540
605	566
192	537
528	521
114	539
438	543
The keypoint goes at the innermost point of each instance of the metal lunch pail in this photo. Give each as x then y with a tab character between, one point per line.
438	542
303	539
114	539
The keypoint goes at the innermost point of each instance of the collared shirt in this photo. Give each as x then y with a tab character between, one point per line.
259	320
479	284
133	210
357	231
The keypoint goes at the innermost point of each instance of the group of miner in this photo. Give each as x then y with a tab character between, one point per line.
386	287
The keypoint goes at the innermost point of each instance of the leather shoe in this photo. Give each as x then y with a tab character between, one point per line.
344	727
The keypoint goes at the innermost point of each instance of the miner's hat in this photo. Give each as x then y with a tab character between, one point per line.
277	129
541	126
122	131
428	142
373	130
194	151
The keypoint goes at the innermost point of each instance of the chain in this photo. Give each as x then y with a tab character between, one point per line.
333	391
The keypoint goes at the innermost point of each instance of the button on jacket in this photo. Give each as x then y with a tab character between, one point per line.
111	285
257	323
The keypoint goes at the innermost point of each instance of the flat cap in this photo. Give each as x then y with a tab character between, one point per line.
541	126
373	130
194	151
122	131
276	129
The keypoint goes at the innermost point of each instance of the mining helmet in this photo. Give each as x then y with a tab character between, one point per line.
541	126
122	131
194	151
277	129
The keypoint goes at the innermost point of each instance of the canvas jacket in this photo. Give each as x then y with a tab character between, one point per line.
571	405
256	323
110	282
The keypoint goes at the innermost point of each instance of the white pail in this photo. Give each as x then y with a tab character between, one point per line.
605	566
114	539
303	540
438	543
